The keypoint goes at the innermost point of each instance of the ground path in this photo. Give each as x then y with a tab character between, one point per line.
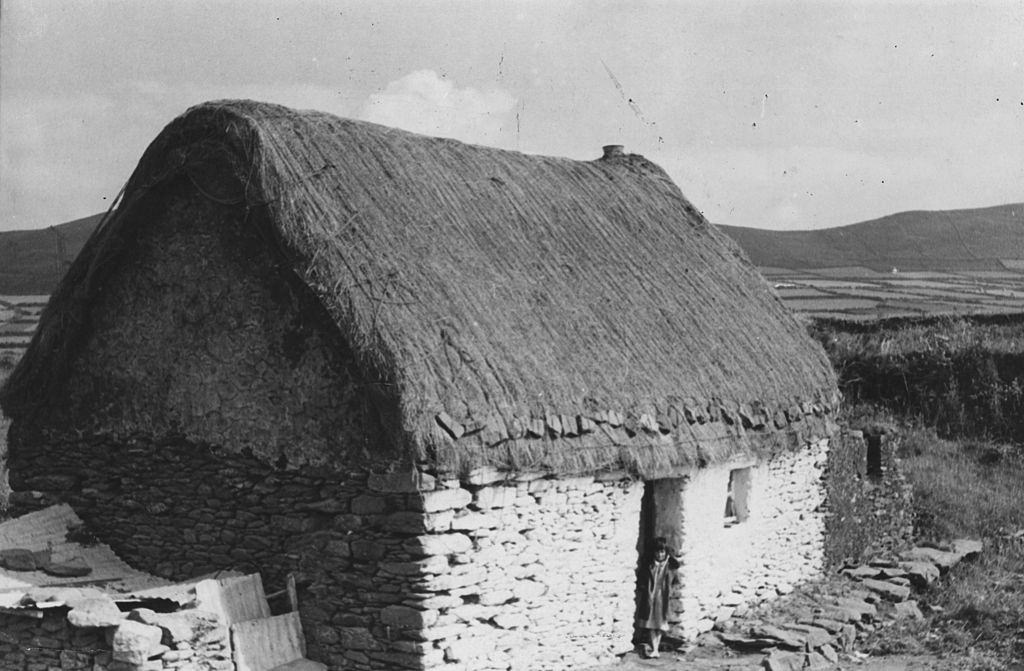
817	627
718	660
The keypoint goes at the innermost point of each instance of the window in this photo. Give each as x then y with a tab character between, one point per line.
874	455
737	508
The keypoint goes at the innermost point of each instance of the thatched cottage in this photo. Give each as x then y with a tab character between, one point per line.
452	389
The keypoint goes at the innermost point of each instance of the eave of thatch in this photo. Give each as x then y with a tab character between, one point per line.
486	293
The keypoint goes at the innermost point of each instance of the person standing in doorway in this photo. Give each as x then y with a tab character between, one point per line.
657	576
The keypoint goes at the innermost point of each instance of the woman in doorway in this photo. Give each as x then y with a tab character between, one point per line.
657	576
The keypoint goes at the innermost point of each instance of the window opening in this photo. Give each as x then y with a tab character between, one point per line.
874	456
737	508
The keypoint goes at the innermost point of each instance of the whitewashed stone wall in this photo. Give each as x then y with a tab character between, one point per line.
780	544
551	583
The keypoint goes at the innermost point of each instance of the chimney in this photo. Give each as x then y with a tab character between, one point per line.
612	151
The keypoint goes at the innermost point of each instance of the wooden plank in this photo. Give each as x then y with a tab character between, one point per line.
234	599
261	645
47	530
293	593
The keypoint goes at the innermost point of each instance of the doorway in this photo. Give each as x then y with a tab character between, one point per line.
661	515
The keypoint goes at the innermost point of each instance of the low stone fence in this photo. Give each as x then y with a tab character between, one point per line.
143	641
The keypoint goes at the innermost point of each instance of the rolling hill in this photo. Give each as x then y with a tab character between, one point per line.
953	240
29	262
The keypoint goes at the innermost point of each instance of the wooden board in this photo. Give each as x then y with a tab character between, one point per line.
261	645
235	599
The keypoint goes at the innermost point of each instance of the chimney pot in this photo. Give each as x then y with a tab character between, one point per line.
612	150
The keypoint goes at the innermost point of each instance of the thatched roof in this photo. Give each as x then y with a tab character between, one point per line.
520	310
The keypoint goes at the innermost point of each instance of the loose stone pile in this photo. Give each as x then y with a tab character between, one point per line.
90	633
810	631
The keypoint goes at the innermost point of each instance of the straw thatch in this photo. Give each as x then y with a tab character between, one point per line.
518	310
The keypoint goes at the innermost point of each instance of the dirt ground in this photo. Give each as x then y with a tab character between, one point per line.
753	663
723	659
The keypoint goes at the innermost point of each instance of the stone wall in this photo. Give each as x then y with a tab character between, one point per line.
179	511
5	488
394	571
144	641
867	513
780	543
550	583
30	644
409	571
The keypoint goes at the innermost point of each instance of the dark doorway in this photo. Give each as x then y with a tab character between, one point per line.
874	455
661	514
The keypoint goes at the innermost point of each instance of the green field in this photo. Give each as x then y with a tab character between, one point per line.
19	316
861	294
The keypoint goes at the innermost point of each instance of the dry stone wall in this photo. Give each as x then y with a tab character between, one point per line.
394	571
869	511
30	644
780	543
188	640
5	488
550	582
180	510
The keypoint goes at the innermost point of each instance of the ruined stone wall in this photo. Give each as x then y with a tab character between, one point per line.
780	543
30	644
184	641
869	511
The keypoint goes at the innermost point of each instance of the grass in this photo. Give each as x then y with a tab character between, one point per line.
966	489
963	376
955	388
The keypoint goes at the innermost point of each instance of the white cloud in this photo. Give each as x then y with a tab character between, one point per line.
424	102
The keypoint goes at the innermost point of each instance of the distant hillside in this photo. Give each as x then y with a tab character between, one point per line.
949	240
28	259
979	239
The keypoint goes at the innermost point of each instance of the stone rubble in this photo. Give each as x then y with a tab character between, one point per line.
879	592
102	638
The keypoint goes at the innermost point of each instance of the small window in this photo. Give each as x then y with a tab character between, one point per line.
737	507
874	456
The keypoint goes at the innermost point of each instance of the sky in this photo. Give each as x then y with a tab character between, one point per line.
770	114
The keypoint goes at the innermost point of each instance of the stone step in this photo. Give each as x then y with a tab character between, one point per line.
814	637
780	660
920	573
940	558
966	547
907	610
887	590
866	610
